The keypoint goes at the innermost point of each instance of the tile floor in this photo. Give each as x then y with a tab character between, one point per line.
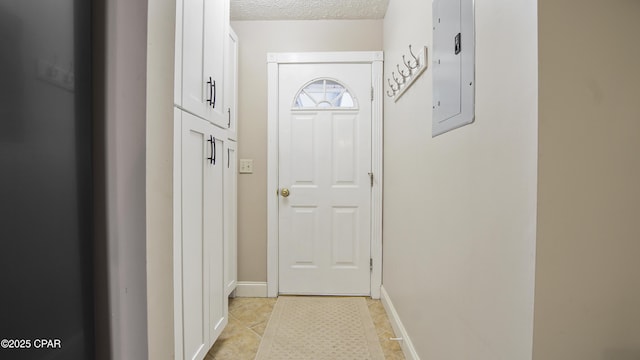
248	319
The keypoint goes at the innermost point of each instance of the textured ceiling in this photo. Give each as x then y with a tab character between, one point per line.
307	9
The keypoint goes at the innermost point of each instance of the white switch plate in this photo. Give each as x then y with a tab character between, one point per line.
246	166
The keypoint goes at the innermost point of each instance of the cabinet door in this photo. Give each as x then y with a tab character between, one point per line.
194	241
203	35
231	83
231	218
215	32
200	308
215	220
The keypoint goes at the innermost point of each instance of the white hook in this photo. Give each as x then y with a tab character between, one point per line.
407	64
417	59
393	88
396	79
401	72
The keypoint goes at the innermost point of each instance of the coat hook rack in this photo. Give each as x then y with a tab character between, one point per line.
413	68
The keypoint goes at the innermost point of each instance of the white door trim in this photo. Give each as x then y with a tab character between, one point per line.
375	58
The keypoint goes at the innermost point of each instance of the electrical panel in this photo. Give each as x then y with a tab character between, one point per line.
453	65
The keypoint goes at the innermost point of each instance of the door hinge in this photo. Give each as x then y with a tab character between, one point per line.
370	264
372	93
371	178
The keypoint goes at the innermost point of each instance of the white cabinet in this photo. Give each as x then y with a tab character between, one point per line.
231	169
231	218
204	177
201	29
231	83
200	312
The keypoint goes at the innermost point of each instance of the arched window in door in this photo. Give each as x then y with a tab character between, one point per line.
322	94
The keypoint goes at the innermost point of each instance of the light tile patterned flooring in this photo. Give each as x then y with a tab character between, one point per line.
248	318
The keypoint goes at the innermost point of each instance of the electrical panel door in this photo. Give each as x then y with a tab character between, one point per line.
453	64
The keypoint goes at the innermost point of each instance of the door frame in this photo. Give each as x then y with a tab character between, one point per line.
274	60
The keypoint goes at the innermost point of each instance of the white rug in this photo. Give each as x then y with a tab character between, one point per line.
320	328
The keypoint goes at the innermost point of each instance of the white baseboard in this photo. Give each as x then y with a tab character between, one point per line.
406	344
251	289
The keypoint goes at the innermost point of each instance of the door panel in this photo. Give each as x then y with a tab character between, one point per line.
203	36
201	243
303	155
214	223
230	218
215	30
195	91
304	228
345	237
344	149
231	83
325	158
195	237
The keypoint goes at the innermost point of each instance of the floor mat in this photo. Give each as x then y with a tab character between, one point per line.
320	328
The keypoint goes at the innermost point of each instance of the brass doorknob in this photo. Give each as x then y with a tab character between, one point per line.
284	192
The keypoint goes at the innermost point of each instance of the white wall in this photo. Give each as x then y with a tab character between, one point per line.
134	43
460	209
257	38
121	80
587	302
159	171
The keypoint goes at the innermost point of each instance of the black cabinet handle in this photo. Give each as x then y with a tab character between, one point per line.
229	112
212	158
210	92
228	157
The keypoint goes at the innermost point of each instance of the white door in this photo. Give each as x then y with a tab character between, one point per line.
324	165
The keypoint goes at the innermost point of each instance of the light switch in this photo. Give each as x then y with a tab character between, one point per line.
246	166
